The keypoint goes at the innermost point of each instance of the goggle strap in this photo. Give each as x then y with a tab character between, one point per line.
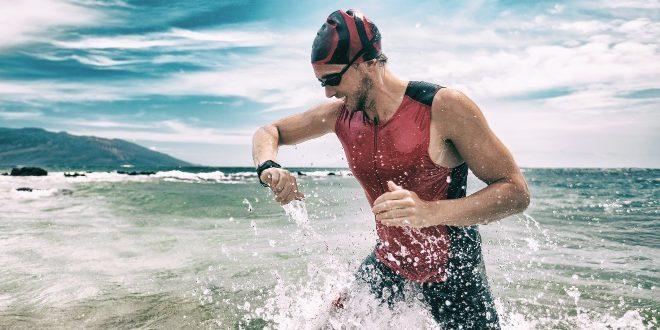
362	32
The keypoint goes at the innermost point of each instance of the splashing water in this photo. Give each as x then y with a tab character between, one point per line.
308	303
248	205
297	210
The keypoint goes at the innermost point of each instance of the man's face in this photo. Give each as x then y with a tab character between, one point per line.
353	87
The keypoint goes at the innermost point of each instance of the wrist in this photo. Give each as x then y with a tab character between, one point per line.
264	166
435	213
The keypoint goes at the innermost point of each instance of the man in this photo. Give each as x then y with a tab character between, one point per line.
410	150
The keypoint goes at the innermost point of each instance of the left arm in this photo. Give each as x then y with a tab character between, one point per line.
486	156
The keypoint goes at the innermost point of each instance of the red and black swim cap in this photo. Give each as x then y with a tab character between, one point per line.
342	36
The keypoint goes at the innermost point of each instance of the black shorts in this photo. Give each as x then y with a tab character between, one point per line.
463	301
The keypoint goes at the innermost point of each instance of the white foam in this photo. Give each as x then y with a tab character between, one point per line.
324	174
57	179
215	176
297	210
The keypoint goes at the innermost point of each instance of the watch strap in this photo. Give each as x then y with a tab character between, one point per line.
264	166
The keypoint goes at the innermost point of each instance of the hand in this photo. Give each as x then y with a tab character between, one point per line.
400	207
282	183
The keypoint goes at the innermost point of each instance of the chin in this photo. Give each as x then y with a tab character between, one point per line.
349	102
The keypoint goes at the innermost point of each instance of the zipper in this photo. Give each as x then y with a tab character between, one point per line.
376	152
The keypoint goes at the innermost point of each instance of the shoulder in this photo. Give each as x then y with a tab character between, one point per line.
328	113
422	92
456	111
448	100
327	110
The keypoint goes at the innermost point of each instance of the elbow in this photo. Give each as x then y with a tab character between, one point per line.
269	130
519	195
524	198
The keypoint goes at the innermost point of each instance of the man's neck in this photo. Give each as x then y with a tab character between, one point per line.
386	96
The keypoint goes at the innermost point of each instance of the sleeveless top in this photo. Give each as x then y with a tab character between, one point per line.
397	150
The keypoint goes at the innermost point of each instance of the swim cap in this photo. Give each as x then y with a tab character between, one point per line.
342	36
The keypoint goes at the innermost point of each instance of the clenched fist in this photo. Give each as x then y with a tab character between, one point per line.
282	183
402	208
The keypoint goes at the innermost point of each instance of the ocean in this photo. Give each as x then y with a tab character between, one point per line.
210	248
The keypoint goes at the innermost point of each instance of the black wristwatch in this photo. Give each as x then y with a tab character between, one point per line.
263	166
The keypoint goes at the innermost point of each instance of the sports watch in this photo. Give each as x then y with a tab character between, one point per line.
264	166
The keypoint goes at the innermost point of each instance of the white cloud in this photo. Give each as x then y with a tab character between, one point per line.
492	61
97	60
518	56
626	4
583	27
27	20
20	115
172	131
54	91
103	3
107	124
284	79
557	9
175	38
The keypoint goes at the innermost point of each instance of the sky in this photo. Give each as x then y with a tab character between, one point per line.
562	84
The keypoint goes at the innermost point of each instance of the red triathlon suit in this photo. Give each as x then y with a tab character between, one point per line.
397	150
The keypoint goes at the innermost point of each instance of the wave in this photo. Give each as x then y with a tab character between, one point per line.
55	182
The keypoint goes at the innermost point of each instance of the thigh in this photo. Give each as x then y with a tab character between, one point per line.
383	283
463	302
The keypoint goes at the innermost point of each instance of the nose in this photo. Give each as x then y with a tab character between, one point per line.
329	92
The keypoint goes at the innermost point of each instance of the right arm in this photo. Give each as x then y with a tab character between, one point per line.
291	130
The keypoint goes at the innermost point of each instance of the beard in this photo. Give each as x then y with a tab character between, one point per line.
359	101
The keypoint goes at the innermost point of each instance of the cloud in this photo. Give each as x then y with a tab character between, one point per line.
95	60
103	3
171	131
174	38
28	20
490	60
557	9
107	124
20	115
282	78
501	60
55	91
627	4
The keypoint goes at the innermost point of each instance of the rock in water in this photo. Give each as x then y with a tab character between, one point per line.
28	171
28	189
136	173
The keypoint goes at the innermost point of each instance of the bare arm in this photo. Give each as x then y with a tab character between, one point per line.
485	155
489	160
290	130
294	129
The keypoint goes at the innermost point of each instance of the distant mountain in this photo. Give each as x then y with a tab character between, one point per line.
38	147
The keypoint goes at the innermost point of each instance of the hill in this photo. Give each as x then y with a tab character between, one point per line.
38	147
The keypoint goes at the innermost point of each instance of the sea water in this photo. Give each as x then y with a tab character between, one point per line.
210	248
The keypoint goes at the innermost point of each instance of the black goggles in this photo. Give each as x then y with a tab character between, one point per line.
334	79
